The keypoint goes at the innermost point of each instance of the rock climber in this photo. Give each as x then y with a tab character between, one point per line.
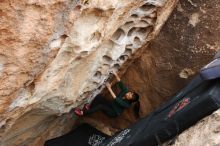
125	99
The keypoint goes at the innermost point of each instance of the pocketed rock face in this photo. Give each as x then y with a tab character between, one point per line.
57	54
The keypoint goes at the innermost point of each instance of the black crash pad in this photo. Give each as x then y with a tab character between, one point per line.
84	135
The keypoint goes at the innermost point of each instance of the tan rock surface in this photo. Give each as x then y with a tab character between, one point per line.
55	55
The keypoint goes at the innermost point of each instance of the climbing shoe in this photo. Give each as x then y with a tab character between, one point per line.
86	107
78	112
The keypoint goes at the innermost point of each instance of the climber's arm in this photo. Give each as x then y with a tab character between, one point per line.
116	76
120	84
110	90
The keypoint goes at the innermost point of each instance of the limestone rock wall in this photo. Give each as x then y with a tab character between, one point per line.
55	55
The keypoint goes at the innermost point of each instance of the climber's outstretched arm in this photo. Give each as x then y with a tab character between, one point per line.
110	90
116	76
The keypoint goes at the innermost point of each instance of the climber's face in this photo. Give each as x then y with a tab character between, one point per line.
129	95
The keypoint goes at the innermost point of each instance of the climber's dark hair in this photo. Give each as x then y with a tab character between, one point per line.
135	97
136	102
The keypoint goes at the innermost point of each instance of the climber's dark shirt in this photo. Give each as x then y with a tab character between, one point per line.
119	104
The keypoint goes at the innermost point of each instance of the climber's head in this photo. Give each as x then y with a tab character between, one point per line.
132	96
